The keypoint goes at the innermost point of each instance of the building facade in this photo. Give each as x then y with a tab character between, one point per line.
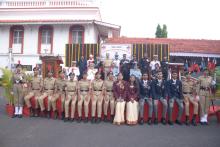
32	28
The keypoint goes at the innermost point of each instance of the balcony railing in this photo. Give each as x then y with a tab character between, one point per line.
48	3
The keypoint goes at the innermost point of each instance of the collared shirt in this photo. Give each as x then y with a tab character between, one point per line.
153	63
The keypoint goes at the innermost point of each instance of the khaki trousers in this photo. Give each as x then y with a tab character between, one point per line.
188	98
204	105
84	98
59	94
18	95
35	94
71	97
49	94
109	98
97	101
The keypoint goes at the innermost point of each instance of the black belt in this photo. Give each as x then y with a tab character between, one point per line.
49	89
71	91
35	89
109	90
84	90
187	92
97	90
205	88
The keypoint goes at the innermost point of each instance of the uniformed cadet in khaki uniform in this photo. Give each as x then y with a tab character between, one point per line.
48	91
97	97
107	63
71	96
204	83
35	90
84	86
19	83
108	96
60	84
188	91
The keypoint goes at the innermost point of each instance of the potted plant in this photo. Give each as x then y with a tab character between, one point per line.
6	83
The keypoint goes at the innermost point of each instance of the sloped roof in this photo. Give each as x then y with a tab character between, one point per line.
176	45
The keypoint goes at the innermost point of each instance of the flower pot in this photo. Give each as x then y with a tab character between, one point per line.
10	110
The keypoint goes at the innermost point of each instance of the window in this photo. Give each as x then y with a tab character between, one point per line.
46	36
17	36
76	34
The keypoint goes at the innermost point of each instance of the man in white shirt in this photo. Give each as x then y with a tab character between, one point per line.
154	62
74	70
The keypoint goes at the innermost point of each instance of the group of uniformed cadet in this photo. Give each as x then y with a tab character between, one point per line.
110	92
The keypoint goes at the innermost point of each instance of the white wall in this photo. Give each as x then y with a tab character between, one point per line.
4	39
91	34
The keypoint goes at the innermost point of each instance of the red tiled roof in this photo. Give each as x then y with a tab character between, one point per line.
176	45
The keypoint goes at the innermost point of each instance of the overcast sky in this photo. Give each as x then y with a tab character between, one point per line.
193	19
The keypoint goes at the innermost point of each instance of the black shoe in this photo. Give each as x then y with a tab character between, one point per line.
48	114
36	113
105	119
93	120
63	116
163	121
155	121
149	121
31	112
71	119
187	121
20	116
65	119
206	123
55	114
98	120
170	122
79	119
112	119
202	123
86	120
178	122
194	122
141	121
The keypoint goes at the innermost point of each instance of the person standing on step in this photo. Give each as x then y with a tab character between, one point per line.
19	82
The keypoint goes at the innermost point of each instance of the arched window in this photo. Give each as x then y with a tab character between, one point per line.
16	39
45	39
76	34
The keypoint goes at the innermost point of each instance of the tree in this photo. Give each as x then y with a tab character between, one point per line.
161	32
158	31
164	31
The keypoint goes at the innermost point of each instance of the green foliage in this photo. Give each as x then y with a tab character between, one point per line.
161	32
7	84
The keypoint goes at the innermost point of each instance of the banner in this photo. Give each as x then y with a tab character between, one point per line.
112	49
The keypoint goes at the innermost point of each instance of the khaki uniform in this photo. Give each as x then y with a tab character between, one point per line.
71	95
188	89
36	85
48	86
60	92
108	86
18	88
204	94
107	66
97	86
83	96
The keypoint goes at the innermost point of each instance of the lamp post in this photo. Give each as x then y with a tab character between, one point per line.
10	58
